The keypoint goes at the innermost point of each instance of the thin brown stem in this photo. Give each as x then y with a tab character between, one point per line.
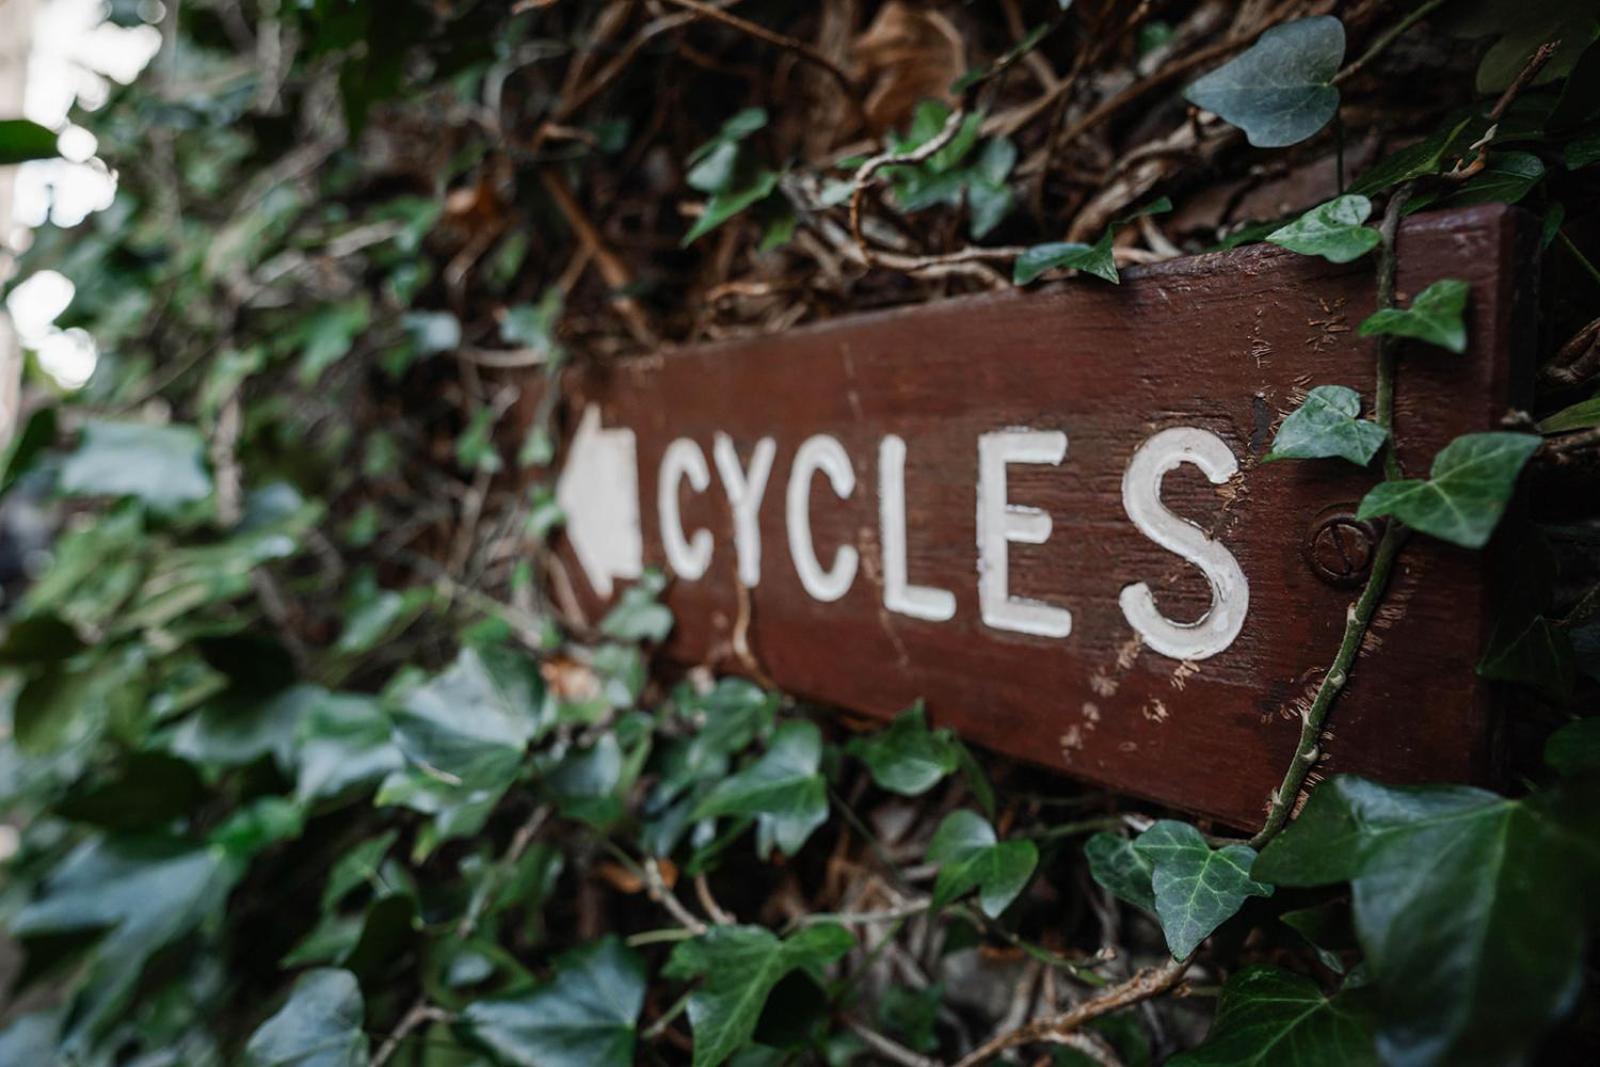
1143	986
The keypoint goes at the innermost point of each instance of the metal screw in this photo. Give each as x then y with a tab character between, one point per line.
1340	547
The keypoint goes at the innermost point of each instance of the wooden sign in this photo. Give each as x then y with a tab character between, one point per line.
1045	513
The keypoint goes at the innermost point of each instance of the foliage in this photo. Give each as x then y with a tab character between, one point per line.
1280	90
312	760
1327	425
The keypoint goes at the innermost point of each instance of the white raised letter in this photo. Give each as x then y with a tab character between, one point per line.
688	557
918	601
1000	523
744	498
819	453
1141	497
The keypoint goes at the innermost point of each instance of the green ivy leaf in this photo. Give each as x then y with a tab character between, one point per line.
145	892
22	141
783	787
1272	1018
1280	90
1196	889
319	1026
726	204
1091	259
160	465
344	741
1326	426
1424	158
585	1015
472	722
741	965
970	856
1333	231
1574	749
1117	865
1466	492
1327	928
1434	316
1533	652
907	757
1584	415
639	614
1471	909
1506	178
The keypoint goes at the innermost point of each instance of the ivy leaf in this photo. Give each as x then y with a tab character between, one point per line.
1326	426
1424	158
145	892
585	1015
783	787
1574	749
1466	493
741	965
1333	231
1327	928
1434	316
908	758
726	204
970	856
22	140
344	741
1584	415
160	465
1477	948
1117	865
1272	1018
319	1026
639	614
1280	90
1533	652
472	722
1196	889
1091	259
1506	178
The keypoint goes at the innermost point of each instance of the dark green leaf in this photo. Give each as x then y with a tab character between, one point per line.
725	205
1272	1018
1434	316
1280	90
1327	928
160	465
1534	653
1466	492
1426	157
1196	889
639	614
22	140
1574	749
783	787
319	1026
1333	231
1584	415
344	742
472	723
741	965
1471	909
1326	426
1091	259
585	1015
1506	178
970	857
1115	864
144	892
907	757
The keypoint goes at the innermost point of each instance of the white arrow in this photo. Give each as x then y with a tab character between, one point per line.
599	493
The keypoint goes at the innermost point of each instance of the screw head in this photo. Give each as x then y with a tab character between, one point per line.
1340	547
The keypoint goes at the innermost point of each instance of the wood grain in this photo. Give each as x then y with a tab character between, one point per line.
1228	342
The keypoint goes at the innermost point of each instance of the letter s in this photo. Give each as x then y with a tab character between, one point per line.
1141	498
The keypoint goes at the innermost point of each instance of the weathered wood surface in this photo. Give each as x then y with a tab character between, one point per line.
1226	343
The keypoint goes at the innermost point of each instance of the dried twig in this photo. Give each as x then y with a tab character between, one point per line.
1141	987
789	44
